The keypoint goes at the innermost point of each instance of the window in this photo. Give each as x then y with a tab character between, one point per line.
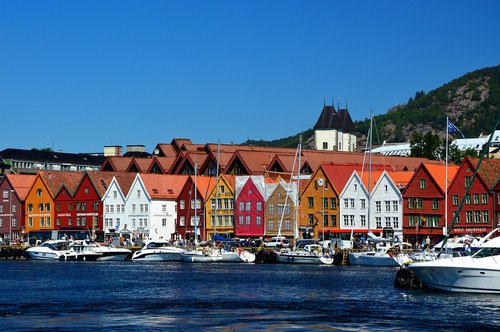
435	204
270	225
333	220
247	220
363	221
351	201
467	181
325	145
30	222
395	222
484	198
351	220
310	219
411	203
419	203
42	222
271	208
422	184
138	194
287	209
258	220
467	199
96	206
70	207
86	190
70	221
455	199
115	194
395	206
333	203
164	222
164	208
182	221
240	220
40	207
1	208
346	220
133	208
47	207
468	217
242	206
30	207
182	204
363	203
1	222
388	206
378	221
5	194
14	207
287	225
221	189
14	222
259	206
486	217
310	202
388	222
346	203
247	205
39	192
476	198
141	208
84	221
477	217
378	206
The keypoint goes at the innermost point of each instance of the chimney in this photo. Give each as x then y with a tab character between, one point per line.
113	151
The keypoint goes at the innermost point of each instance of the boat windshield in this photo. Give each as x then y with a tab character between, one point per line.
487	252
157	245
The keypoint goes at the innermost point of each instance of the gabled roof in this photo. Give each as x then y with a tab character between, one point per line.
125	181
164	163
165	150
204	184
101	181
21	183
141	164
116	164
163	186
438	173
339	174
489	170
254	162
56	180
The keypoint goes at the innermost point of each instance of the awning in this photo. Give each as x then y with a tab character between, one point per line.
337	231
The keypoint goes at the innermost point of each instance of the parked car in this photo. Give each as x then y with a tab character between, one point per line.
277	242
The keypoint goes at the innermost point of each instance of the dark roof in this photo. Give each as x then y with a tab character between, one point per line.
138	154
332	119
53	157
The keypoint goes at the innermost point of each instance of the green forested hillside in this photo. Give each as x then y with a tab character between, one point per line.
472	102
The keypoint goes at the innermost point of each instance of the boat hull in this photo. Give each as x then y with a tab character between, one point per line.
157	256
114	256
42	255
235	257
292	258
90	257
463	274
200	258
361	258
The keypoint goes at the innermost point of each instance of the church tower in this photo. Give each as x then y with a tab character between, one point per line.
335	130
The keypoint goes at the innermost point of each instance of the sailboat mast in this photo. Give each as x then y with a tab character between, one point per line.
195	206
296	229
446	183
216	192
370	169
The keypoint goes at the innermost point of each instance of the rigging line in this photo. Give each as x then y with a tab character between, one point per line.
288	193
484	153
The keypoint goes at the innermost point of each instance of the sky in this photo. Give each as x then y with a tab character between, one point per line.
76	76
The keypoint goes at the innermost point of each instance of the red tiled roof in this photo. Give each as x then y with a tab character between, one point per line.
438	173
21	183
163	186
55	180
101	181
125	181
489	170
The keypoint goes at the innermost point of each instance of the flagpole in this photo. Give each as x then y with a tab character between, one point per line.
445	232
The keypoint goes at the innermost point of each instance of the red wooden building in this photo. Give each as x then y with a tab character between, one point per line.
249	214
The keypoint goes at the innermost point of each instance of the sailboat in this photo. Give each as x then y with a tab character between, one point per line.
199	254
312	253
386	251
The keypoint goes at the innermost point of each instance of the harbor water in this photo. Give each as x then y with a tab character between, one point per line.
156	296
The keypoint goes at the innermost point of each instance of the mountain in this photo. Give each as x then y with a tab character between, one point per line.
472	102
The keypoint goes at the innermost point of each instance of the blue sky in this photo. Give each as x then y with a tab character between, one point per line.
78	75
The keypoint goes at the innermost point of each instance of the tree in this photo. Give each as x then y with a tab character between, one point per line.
425	146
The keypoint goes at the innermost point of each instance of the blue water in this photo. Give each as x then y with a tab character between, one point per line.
154	296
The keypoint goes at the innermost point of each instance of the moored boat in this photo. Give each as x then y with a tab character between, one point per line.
310	254
158	251
48	250
79	252
110	253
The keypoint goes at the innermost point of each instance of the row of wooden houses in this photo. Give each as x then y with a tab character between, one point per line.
335	198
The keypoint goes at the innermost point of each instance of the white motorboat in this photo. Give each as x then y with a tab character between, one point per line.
479	273
109	252
51	249
202	255
158	251
79	252
238	256
310	254
384	255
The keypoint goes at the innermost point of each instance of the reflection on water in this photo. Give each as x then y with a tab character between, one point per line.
131	296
